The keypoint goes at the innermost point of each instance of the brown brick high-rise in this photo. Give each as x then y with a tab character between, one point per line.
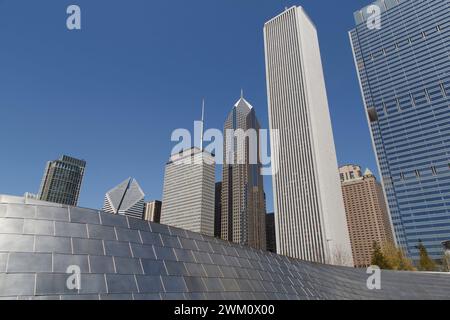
367	215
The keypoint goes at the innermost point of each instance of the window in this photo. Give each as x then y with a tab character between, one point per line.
434	171
373	116
399	108
417	173
444	93
427	95
413	101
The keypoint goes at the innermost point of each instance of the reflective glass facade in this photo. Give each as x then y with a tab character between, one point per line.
403	69
62	181
123	258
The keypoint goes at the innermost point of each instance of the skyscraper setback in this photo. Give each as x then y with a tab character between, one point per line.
404	73
62	181
243	210
309	211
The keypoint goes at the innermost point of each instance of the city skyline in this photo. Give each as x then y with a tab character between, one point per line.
90	104
263	199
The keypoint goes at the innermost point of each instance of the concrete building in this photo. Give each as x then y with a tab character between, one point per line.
188	195
403	68
271	241
152	211
309	211
62	181
218	210
126	199
243	210
367	215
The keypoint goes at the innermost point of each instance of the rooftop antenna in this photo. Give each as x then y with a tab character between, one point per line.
202	124
242	93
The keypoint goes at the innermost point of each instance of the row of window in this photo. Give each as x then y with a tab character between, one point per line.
417	172
410	40
413	99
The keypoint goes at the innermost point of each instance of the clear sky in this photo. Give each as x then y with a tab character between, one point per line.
113	92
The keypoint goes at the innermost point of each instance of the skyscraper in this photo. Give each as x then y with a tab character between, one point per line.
125	199
152	211
404	72
218	210
271	243
243	213
309	211
367	215
188	195
62	181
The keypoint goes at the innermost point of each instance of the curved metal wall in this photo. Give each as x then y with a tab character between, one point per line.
126	258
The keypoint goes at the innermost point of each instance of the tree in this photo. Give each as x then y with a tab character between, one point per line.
341	258
378	258
425	262
445	264
396	258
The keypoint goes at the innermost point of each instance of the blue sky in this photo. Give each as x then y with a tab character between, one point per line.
113	92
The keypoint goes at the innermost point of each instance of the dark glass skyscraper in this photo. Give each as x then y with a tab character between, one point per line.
62	181
404	71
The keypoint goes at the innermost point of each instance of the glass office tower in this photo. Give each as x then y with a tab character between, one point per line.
62	181
403	67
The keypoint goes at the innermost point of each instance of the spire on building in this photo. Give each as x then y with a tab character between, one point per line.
202	124
368	172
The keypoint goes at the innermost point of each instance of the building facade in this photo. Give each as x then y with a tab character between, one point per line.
152	211
188	195
243	209
367	215
404	74
122	258
126	199
271	242
62	181
309	211
218	210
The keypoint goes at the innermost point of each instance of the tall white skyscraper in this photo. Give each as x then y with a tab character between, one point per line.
125	199
189	191
309	210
